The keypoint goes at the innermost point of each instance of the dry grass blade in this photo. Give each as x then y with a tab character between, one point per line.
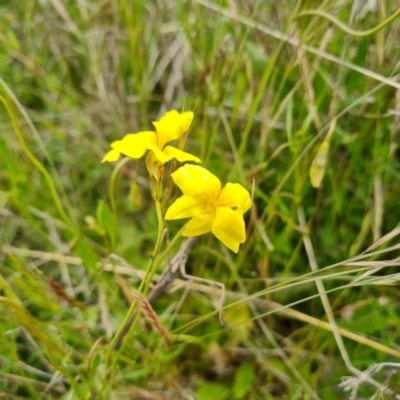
62	11
151	316
21	380
383	239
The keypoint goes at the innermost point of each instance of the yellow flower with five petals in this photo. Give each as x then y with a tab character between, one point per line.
170	127
210	208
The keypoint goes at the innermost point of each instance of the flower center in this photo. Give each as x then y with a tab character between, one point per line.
209	207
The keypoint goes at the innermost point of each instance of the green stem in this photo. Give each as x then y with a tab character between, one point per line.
149	277
152	269
145	283
168	249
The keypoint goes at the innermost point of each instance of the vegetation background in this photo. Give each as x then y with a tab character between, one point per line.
283	93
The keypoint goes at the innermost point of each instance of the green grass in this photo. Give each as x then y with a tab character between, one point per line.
307	303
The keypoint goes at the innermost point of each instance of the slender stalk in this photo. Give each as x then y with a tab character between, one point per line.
127	323
131	316
169	275
152	269
162	257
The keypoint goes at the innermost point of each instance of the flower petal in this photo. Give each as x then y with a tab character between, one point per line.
186	120
180	155
235	196
199	225
113	154
197	181
229	227
171	126
159	154
185	207
134	145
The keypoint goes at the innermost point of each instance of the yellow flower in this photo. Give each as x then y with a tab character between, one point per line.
170	127
211	208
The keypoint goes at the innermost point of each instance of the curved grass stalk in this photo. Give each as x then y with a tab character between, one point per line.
347	29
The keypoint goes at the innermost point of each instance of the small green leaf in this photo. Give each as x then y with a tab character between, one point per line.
12	40
318	166
85	252
208	391
244	378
